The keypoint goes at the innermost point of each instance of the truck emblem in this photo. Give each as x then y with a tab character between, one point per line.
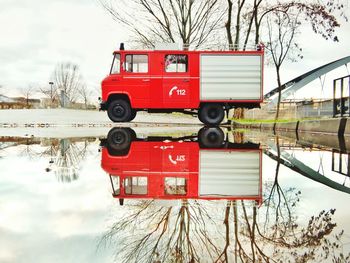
179	92
179	158
172	90
171	160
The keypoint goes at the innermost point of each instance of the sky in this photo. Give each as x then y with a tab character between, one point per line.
37	35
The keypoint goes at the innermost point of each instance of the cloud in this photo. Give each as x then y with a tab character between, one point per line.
42	34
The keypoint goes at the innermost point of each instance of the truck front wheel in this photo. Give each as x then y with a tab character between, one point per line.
119	140
119	111
211	113
133	114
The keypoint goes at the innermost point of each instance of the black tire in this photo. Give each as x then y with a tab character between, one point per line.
211	113
119	139
211	137
133	115
119	111
200	118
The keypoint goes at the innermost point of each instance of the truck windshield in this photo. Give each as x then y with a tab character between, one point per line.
116	64
115	182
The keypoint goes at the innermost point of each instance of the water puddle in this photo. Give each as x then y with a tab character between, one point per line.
173	195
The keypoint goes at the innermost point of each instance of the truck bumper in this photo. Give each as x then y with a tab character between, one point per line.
103	105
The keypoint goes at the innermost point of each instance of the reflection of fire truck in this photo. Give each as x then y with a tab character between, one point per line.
184	168
203	82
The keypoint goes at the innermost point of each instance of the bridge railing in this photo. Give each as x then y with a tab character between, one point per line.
341	97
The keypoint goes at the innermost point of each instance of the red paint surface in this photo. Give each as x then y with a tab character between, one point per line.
159	160
152	90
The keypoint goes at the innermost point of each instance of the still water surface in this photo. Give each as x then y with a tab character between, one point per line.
174	196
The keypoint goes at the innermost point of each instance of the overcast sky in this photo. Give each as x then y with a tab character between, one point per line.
36	35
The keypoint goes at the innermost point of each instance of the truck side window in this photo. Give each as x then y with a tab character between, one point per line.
136	63
176	63
175	186
116	64
136	185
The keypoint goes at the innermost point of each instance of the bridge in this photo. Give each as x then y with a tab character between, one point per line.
297	83
298	166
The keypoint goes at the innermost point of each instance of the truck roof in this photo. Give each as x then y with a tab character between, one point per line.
192	51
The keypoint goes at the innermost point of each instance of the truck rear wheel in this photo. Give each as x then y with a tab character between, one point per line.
119	111
211	137
211	113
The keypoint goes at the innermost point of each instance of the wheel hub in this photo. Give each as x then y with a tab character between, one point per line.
212	113
118	111
118	138
212	137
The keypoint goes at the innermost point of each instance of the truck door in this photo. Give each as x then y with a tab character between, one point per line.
176	81
137	79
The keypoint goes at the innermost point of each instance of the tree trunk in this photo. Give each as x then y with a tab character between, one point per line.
279	93
238	113
228	24
238	23
256	22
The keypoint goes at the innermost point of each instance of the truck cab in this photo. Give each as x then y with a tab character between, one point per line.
202	83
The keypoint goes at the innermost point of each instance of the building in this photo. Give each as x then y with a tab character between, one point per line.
18	103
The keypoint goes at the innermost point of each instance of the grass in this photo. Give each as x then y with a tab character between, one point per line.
255	121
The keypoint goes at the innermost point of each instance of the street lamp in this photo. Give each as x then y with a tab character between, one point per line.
51	83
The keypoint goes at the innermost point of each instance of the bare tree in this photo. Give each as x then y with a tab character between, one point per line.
234	45
68	79
283	23
27	92
85	94
282	28
50	92
191	22
253	18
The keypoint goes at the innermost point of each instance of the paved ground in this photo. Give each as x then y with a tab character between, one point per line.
59	117
78	123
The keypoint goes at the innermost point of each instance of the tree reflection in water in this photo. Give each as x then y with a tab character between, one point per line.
173	234
226	231
65	155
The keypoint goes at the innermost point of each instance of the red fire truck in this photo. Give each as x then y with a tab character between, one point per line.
203	83
165	168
